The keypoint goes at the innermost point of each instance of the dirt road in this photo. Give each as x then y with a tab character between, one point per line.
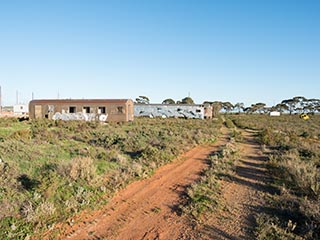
243	195
146	209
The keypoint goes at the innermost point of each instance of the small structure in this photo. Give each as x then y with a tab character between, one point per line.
104	110
275	114
208	111
20	109
173	110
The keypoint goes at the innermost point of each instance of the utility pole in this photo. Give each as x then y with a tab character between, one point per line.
17	97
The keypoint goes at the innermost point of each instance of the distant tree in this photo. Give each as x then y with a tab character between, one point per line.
143	100
248	110
207	102
258	107
311	105
217	106
227	106
291	104
187	100
281	107
239	106
168	101
301	102
299	99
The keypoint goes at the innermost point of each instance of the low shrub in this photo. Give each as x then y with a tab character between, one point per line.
204	196
294	165
50	170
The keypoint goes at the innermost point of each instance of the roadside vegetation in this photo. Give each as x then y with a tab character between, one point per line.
50	170
204	197
293	146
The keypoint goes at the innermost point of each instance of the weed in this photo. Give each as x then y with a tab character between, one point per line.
156	210
204	196
50	170
294	164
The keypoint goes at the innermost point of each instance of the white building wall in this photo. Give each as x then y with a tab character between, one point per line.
167	111
20	109
275	114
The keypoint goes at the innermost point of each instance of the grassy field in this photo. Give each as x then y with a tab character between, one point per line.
294	162
50	170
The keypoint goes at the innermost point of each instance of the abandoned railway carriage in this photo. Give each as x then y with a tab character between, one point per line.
173	110
104	110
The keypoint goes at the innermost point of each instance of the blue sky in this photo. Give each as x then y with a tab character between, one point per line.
228	50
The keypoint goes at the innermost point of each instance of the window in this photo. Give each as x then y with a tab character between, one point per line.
72	109
120	110
101	110
198	111
86	110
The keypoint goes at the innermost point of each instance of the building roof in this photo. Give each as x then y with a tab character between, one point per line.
78	101
173	105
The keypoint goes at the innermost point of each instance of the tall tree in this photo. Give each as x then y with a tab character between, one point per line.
187	100
248	110
300	103
258	107
143	100
281	107
168	101
311	105
291	104
227	106
207	102
239	106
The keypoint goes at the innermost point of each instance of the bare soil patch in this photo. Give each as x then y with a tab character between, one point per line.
243	195
146	209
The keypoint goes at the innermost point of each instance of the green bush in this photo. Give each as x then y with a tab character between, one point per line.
50	170
294	163
204	196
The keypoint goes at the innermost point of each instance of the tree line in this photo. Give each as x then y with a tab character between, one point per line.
295	105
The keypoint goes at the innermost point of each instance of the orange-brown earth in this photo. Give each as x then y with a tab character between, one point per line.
148	209
243	195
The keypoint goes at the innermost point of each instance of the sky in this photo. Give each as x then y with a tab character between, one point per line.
245	51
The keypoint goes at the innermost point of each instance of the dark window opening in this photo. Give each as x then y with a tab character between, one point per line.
72	109
120	110
86	109
198	110
102	110
46	116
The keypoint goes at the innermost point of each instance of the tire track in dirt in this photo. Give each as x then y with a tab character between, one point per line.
146	209
243	195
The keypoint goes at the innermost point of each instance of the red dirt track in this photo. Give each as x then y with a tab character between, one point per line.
145	209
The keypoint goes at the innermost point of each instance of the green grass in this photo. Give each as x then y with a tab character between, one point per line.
50	170
294	163
204	196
